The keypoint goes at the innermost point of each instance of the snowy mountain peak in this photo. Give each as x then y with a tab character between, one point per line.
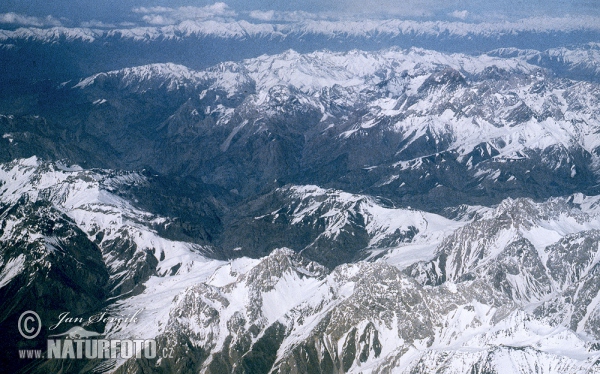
170	75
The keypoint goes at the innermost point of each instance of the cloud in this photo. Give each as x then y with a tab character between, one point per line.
154	9
389	8
160	15
157	19
287	16
461	14
97	25
262	16
23	20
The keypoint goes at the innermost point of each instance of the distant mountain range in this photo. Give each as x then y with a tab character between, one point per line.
62	53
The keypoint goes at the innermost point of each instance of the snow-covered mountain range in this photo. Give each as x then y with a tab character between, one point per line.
33	54
392	210
508	122
331	28
501	288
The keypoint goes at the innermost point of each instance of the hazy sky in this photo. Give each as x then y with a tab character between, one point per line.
146	12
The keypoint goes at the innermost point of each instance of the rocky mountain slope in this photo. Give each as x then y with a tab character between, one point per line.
506	126
512	283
